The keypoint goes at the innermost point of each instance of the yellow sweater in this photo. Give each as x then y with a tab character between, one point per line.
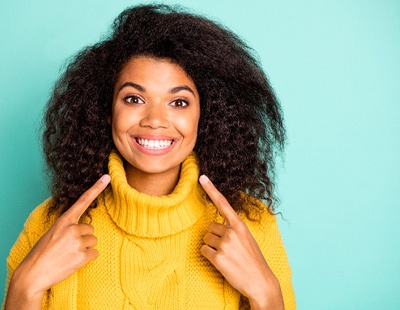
150	251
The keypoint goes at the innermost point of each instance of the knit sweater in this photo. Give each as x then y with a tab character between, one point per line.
149	250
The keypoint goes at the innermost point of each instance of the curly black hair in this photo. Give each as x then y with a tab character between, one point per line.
241	126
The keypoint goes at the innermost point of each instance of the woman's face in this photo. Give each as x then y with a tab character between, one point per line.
155	115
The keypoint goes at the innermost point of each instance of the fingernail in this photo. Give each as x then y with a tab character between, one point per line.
204	179
105	178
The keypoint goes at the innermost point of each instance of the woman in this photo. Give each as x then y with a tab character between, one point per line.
167	97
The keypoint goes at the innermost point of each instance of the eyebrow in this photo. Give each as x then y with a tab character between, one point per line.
127	84
177	89
173	90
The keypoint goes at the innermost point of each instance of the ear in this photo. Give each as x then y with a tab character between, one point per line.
109	120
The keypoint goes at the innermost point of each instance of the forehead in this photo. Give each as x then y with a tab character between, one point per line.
151	69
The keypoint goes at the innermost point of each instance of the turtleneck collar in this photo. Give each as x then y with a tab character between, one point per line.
149	216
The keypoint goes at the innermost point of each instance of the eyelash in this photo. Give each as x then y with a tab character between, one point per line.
129	99
183	103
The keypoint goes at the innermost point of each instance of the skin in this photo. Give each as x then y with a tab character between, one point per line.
153	99
233	251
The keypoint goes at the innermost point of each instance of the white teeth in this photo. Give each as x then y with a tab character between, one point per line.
154	144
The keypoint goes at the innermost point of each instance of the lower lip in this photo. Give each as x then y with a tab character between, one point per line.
155	152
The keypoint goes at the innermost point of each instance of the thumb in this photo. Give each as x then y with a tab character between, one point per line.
222	204
74	213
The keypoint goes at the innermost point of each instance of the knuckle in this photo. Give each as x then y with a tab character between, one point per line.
222	200
80	244
222	247
98	186
242	228
61	222
61	229
55	232
213	191
218	259
84	197
71	232
55	235
230	234
80	258
74	229
88	228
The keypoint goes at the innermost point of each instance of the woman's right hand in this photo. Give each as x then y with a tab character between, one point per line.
63	249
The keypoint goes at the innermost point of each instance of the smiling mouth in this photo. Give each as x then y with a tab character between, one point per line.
154	144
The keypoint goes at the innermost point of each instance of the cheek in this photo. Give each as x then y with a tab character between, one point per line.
119	126
188	125
121	120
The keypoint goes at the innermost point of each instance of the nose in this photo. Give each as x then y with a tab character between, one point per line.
155	116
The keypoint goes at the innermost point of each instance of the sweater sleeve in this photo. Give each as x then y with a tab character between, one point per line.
266	233
35	226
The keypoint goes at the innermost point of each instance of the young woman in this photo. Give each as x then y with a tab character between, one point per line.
168	102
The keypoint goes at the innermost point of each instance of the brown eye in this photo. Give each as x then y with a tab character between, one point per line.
179	103
133	100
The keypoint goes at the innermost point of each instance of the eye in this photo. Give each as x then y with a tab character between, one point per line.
133	99
179	103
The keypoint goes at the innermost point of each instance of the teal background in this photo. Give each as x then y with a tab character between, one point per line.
335	66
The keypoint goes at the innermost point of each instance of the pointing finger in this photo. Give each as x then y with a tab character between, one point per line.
219	200
80	206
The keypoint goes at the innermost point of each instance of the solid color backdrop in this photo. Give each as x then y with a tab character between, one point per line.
335	68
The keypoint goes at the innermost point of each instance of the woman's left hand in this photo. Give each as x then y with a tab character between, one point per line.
231	248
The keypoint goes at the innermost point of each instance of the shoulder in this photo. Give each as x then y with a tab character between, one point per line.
265	231
38	221
263	226
261	219
35	226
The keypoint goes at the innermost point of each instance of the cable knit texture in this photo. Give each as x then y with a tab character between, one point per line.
150	251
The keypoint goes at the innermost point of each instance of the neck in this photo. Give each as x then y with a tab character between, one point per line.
155	184
152	216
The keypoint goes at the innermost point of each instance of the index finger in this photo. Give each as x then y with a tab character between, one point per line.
80	206
224	208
